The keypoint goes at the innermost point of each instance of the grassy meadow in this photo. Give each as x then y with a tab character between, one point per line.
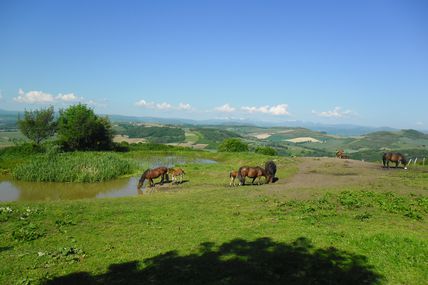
326	221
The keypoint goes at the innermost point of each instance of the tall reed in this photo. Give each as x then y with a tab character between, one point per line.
74	167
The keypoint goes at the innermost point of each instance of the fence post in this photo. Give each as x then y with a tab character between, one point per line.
416	159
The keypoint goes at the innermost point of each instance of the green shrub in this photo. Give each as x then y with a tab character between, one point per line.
80	129
233	145
266	150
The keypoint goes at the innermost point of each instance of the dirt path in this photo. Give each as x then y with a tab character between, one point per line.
332	172
318	175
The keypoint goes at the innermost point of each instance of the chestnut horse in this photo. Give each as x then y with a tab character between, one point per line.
176	174
394	157
252	172
150	174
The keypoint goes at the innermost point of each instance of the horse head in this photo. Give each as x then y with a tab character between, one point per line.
404	161
142	178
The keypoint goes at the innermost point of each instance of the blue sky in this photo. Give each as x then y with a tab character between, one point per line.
358	62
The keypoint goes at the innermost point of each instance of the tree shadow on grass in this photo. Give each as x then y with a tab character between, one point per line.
262	261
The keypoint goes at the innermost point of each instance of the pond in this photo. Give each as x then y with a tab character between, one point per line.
13	190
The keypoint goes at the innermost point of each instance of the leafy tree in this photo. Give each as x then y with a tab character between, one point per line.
233	145
266	150
38	125
80	129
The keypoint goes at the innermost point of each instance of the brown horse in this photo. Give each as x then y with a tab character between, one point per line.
176	174
251	172
394	157
233	174
341	154
151	174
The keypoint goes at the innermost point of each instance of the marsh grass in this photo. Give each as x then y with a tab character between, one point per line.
73	167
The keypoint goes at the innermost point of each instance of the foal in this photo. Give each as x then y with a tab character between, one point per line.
233	175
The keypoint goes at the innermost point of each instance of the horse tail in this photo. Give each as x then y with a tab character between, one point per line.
142	178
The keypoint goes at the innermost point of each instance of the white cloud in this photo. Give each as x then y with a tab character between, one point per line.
337	112
1	96
417	123
145	104
184	106
162	106
281	109
226	108
70	97
40	97
33	97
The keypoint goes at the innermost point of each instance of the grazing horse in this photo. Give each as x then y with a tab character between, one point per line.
270	169
252	172
341	154
176	174
233	174
394	157
150	174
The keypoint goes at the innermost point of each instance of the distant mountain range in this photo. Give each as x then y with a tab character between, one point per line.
339	129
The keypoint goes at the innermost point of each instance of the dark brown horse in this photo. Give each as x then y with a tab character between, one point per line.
251	172
270	168
151	174
394	157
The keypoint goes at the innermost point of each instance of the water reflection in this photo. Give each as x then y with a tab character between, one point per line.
12	190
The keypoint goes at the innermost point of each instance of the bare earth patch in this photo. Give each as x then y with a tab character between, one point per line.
262	136
319	175
303	139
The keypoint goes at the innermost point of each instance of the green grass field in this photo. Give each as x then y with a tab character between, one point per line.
325	221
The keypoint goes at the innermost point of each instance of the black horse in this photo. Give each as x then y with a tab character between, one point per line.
270	168
394	157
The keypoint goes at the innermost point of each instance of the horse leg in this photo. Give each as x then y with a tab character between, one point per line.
253	180
397	163
162	179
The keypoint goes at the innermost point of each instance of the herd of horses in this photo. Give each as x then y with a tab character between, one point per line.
256	172
252	172
387	157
